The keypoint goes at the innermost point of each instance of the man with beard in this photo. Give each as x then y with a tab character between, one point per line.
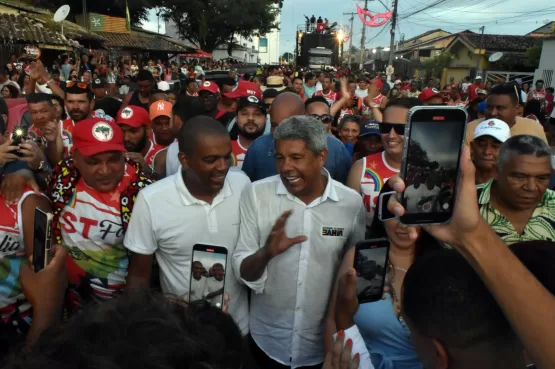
92	195
214	286
134	121
79	105
251	121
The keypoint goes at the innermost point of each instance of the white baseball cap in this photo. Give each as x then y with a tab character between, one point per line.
163	86
495	128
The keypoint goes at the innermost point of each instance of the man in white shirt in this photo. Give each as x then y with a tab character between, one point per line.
214	288
197	283
197	205
290	246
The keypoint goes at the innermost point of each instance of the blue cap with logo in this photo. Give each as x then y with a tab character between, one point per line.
371	127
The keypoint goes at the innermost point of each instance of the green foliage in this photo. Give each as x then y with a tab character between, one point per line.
533	55
435	66
138	9
211	23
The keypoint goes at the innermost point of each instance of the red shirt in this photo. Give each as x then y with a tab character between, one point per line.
238	154
330	97
472	91
151	154
549	105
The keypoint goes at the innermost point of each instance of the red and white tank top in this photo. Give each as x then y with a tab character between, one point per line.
375	173
92	230
330	97
238	154
12	299
365	110
345	112
537	95
151	154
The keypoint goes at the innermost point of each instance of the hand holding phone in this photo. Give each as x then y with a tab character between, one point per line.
434	140
371	261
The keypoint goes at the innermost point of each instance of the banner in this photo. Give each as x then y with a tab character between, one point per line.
374	20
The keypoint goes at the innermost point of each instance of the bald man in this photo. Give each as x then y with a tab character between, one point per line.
260	159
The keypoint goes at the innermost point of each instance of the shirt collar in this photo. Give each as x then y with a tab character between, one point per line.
329	192
188	199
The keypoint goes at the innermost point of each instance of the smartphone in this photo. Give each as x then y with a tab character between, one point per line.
42	235
371	258
18	136
434	139
207	279
383	213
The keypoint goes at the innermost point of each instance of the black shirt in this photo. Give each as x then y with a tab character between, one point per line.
109	105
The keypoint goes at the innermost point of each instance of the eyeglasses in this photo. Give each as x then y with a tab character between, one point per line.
324	118
78	84
399	129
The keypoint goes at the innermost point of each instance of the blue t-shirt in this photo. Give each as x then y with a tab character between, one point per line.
260	160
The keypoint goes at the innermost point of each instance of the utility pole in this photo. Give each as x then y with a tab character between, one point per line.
351	33
363	38
480	49
393	25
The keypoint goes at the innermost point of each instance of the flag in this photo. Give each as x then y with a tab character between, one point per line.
127	16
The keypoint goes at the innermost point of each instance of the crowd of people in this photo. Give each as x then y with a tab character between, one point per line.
284	169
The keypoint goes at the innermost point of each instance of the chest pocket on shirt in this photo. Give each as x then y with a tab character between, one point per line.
331	240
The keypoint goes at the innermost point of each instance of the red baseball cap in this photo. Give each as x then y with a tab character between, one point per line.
244	89
94	136
133	116
428	93
210	87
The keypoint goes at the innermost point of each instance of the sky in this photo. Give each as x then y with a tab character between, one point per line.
441	140
498	17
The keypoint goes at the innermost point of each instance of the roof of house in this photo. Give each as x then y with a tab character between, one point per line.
546	28
24	6
142	40
425	34
24	29
71	30
499	42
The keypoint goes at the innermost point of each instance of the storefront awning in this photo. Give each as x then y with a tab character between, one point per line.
199	54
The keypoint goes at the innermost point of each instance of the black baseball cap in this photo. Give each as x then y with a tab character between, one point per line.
251	101
98	83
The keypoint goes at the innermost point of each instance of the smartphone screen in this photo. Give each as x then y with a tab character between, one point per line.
208	269
41	239
430	166
371	266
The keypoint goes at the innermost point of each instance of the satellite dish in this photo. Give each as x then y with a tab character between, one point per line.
495	57
61	14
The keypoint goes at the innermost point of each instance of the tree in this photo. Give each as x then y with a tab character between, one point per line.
354	50
533	55
211	23
435	66
138	9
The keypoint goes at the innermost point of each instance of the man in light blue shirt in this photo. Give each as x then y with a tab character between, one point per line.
310	81
260	161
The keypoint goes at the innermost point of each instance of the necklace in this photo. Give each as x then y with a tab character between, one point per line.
395	297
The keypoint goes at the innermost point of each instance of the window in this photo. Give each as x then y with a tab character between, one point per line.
424	53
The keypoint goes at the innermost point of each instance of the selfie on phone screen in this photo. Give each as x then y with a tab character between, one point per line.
431	169
370	265
208	270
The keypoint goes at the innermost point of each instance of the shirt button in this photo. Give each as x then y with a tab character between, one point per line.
300	283
298	308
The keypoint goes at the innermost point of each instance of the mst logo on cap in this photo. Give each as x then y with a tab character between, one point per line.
103	132
435	90
207	84
97	81
126	113
491	123
253	99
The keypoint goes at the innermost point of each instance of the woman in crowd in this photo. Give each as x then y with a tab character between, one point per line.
386	335
10	92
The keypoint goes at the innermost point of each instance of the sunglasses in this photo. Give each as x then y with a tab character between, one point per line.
399	129
324	118
78	84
